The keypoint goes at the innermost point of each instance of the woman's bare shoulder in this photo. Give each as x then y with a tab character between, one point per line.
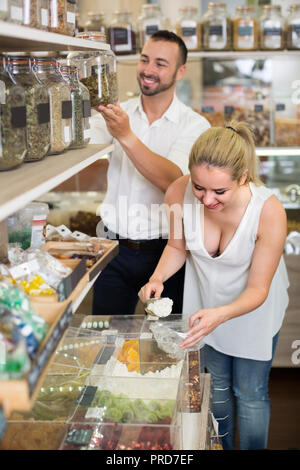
176	190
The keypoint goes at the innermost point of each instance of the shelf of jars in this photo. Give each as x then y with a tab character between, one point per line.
14	37
26	183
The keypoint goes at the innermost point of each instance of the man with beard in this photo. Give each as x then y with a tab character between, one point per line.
153	135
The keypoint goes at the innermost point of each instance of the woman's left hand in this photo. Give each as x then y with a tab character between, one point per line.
202	323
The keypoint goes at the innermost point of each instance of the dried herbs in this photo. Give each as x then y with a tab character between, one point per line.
58	16
102	88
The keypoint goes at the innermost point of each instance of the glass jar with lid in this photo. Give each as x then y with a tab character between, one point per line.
86	105
149	22
122	33
293	28
272	28
188	28
46	69
15	14
13	145
37	107
96	22
58	16
216	28
245	29
4	10
71	8
97	70
77	106
36	14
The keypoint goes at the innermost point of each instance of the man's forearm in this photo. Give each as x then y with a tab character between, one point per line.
158	170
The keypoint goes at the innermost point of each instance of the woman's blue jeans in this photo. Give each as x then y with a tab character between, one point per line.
240	395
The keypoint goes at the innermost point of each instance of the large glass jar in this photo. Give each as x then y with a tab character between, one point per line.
95	22
71	17
86	105
77	107
149	22
189	28
216	28
293	28
13	146
15	11
47	71
35	13
97	71
121	33
37	108
58	16
272	31
245	29
4	10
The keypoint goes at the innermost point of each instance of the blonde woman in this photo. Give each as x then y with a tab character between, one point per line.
232	236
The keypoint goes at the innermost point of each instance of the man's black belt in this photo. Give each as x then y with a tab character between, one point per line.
138	245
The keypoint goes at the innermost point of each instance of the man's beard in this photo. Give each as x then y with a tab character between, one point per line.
147	91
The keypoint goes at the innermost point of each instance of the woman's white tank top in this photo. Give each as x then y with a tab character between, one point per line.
212	282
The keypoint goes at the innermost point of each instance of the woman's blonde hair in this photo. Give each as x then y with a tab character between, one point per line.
228	147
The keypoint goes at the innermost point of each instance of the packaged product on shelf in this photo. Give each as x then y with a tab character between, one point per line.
245	29
286	120
46	69
36	14
71	17
58	16
15	11
4	10
97	71
272	28
27	226
37	108
149	22
122	34
96	22
188	28
13	143
216	27
293	28
78	140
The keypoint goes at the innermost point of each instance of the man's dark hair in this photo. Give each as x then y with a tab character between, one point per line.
169	36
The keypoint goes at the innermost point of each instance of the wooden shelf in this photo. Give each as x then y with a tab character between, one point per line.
32	180
14	37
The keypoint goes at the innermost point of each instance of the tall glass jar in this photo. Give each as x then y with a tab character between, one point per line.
97	71
15	11
58	16
4	10
86	105
245	29
188	28
35	14
150	21
216	28
122	34
37	108
46	69
293	28
272	28
77	108
13	145
71	17
96	22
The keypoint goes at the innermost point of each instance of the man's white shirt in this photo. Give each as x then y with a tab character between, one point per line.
133	206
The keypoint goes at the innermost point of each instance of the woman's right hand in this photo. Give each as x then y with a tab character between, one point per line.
150	290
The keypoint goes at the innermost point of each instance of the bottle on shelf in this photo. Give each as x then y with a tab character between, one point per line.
216	28
71	9
245	29
37	107
293	28
97	70
15	13
36	14
122	33
188	28
13	144
46	69
58	16
149	22
96	22
272	28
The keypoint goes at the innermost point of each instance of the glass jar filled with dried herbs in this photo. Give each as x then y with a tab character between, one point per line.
97	71
46	69
96	22
77	108
15	14
71	17
4	10
13	145
216	26
37	108
36	14
58	16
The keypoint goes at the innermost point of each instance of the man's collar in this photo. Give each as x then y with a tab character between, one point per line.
172	113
